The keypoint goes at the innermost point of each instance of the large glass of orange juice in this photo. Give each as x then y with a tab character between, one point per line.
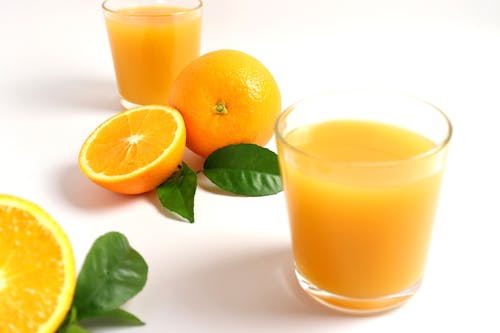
361	173
151	42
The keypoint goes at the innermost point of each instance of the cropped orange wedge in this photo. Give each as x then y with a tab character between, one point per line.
37	269
135	150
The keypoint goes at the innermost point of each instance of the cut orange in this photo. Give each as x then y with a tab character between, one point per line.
37	269
135	150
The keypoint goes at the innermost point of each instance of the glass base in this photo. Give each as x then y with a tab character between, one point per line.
357	306
128	105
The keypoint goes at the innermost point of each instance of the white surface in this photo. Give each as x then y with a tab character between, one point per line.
231	271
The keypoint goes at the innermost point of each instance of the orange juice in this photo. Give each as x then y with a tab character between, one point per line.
150	46
361	197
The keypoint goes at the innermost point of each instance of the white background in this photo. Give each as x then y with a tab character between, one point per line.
231	271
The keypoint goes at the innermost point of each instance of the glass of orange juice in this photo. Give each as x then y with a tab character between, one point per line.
151	42
361	174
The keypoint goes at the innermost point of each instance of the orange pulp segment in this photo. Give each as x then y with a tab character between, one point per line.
37	269
135	150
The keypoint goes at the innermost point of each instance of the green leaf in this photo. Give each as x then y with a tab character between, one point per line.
177	192
118	316
112	273
73	328
244	169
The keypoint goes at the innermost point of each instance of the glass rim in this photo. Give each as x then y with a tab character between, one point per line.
439	146
185	11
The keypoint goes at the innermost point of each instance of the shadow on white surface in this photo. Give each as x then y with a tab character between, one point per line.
194	161
240	292
69	93
252	284
81	193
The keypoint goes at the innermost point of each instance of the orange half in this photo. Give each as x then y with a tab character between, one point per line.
135	150
37	269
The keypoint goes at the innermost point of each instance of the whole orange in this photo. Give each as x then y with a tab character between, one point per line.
226	97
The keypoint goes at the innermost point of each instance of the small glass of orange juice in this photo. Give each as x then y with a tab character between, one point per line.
361	174
151	42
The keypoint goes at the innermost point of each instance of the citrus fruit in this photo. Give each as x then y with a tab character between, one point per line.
226	97
37	269
135	150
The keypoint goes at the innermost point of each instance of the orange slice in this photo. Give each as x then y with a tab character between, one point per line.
135	150
37	269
